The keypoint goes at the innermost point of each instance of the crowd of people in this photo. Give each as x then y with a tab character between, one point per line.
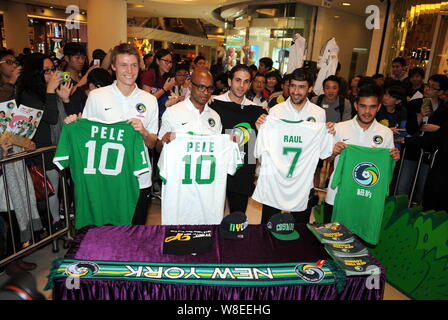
176	93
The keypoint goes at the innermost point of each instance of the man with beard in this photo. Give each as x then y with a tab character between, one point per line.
297	107
362	130
238	116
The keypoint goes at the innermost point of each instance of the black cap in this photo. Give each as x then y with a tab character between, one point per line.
282	226
235	226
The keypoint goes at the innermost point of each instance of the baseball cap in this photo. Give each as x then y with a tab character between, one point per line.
234	226
282	226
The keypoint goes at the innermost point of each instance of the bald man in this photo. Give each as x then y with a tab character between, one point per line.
193	114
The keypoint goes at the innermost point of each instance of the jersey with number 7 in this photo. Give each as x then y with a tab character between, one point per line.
104	160
289	153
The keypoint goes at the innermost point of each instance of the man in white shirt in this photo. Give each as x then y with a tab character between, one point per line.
362	130
193	114
123	100
298	107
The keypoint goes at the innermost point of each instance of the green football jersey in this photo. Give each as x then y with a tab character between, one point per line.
104	160
363	176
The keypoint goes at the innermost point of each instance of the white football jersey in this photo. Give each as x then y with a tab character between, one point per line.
289	152
194	171
310	112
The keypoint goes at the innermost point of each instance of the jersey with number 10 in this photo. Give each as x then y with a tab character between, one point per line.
194	171
104	160
289	152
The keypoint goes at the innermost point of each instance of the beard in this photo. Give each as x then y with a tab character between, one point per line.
299	100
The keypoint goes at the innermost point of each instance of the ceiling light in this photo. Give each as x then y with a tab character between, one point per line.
346	4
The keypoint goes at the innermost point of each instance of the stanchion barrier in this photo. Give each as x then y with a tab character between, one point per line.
47	233
423	154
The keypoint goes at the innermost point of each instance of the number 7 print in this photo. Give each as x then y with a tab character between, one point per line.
297	152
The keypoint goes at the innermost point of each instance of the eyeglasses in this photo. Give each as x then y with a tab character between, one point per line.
48	71
10	62
259	82
202	88
167	61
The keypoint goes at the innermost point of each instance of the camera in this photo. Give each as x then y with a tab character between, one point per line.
66	76
21	286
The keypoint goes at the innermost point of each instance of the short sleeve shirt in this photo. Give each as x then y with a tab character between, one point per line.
349	132
185	117
310	112
109	105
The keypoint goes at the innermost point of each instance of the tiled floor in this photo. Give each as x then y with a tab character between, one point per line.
44	257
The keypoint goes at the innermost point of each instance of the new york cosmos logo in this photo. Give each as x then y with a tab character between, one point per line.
377	139
310	273
83	269
366	174
141	108
243	132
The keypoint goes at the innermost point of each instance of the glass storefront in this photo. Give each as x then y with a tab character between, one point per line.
266	30
420	34
48	36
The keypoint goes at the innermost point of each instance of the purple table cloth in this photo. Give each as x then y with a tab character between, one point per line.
145	244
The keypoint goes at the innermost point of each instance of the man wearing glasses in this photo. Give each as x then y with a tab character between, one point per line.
425	116
193	114
9	73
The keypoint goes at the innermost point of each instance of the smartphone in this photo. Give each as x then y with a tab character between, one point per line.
66	76
96	62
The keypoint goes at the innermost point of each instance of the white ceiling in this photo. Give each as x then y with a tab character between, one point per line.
197	8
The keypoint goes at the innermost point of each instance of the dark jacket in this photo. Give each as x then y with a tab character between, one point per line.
7	92
434	196
438	117
50	116
77	102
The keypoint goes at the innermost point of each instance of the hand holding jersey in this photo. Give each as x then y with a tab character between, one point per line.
194	170
238	115
362	130
124	101
105	162
289	153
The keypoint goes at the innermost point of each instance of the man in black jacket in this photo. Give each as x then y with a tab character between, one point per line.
434	197
238	116
425	116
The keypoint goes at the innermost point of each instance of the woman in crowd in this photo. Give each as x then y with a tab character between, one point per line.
41	87
159	79
273	83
